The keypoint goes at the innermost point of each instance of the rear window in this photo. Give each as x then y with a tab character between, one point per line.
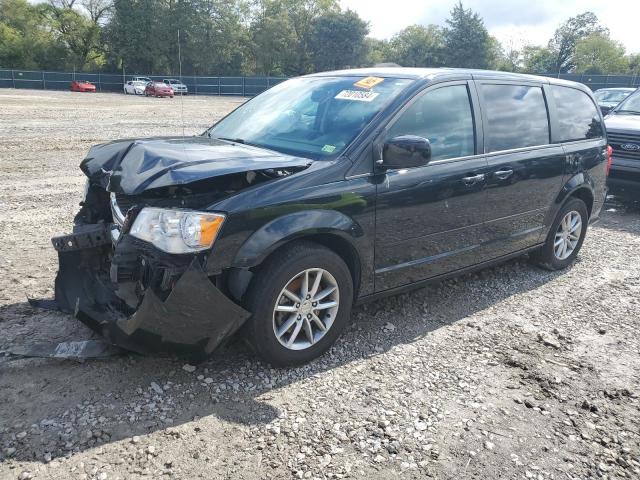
578	116
516	117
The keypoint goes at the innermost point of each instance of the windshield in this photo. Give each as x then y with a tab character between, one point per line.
313	117
630	105
611	95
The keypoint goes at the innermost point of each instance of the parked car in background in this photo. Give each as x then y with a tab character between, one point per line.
623	131
608	98
82	86
135	87
322	191
145	80
177	86
158	89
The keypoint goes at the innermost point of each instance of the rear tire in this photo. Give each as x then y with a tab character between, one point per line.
315	321
565	237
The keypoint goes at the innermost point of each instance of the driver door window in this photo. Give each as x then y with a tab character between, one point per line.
444	117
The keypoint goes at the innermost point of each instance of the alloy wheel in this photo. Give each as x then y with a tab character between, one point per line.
306	309
567	235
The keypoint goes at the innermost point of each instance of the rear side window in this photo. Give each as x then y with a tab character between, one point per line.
578	117
443	116
516	117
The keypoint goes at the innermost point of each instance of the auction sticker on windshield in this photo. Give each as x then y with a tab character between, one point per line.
357	95
368	82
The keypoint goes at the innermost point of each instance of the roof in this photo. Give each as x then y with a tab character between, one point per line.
435	73
624	89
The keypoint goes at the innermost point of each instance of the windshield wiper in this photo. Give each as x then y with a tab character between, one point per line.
233	140
632	112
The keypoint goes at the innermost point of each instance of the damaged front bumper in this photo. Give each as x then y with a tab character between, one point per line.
140	298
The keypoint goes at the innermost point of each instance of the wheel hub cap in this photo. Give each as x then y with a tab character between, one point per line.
567	235
306	309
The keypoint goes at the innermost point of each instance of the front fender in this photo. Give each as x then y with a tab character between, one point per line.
283	229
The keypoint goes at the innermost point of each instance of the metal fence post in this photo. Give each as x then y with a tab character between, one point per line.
13	78
44	82
99	82
243	87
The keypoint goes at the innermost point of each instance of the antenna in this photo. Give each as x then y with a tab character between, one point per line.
181	93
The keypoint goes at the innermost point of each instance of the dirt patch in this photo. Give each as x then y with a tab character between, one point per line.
514	372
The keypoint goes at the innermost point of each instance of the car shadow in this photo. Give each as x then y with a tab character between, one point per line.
47	398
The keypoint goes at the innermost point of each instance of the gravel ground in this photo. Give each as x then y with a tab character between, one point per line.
514	372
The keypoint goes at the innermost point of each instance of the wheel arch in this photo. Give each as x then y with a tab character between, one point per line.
331	229
578	186
585	194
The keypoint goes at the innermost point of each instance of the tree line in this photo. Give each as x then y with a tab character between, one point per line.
276	37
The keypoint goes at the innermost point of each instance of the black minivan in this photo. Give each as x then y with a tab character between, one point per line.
326	190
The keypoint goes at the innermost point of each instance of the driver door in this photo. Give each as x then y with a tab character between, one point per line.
429	219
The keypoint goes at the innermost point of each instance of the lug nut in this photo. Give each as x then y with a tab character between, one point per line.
315	304
299	317
308	297
297	305
309	316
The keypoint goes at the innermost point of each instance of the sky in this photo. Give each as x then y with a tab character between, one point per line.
513	22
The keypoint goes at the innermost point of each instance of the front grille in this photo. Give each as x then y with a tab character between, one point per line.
632	141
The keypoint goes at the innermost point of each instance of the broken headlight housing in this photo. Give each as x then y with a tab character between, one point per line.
177	231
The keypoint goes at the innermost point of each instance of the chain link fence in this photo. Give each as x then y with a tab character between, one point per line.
241	86
108	82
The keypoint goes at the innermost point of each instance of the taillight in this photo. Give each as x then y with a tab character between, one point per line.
609	158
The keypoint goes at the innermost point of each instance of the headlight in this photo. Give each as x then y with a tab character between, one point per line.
177	231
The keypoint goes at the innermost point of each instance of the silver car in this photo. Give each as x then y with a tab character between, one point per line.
178	87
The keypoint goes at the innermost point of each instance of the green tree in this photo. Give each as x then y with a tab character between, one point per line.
597	53
79	34
506	57
377	51
634	63
566	36
132	35
337	41
273	39
466	39
26	38
418	46
536	59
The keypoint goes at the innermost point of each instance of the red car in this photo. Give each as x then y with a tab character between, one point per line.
158	89
82	86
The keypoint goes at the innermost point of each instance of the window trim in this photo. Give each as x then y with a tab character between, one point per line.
517	83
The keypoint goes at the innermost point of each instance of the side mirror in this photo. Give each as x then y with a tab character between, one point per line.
406	151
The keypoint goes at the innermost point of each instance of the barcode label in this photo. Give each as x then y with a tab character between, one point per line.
357	95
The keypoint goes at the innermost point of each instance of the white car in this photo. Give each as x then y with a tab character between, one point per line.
177	86
134	87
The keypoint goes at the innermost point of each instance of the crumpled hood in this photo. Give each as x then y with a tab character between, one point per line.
623	122
133	166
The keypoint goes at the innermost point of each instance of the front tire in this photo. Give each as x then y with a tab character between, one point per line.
300	301
565	236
